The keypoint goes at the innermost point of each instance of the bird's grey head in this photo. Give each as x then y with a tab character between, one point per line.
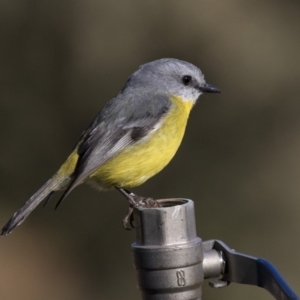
171	76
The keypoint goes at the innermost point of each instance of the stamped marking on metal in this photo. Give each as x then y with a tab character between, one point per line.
181	278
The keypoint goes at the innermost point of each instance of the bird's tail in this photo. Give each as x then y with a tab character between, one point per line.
44	193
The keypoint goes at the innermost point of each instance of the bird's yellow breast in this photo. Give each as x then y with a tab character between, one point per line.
142	160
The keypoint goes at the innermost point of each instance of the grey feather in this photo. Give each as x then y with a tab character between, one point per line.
43	193
122	122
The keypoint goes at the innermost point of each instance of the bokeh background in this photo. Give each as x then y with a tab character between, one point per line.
60	61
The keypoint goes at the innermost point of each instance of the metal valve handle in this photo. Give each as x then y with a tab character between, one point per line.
172	262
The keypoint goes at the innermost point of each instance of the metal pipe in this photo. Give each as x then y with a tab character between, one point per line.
167	253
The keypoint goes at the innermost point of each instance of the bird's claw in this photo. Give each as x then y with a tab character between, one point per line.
147	202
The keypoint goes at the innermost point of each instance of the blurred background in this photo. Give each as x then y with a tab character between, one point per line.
60	61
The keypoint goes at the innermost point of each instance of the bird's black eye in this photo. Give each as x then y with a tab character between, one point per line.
186	79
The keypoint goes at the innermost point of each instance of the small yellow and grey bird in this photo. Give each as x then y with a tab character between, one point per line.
132	138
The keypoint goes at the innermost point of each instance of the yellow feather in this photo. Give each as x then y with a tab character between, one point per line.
147	157
69	165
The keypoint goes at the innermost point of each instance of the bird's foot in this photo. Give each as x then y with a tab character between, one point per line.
135	201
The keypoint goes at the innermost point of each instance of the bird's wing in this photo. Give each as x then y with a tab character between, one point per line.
122	122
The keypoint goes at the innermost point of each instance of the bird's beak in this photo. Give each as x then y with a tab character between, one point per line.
208	88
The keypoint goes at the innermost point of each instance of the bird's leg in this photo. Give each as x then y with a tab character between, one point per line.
135	201
132	199
128	219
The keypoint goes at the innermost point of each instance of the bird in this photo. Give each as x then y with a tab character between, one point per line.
133	137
